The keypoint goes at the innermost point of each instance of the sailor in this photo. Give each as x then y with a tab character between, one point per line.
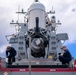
66	57
10	54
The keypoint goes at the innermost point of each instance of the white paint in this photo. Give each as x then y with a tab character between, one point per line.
22	70
53	70
5	73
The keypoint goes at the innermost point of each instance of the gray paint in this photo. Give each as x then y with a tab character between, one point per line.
41	73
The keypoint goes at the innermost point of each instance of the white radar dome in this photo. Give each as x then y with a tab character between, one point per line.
37	5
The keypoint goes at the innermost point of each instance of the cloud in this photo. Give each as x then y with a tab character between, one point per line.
2	51
68	19
3	48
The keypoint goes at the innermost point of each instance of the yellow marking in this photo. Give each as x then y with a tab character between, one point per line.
50	57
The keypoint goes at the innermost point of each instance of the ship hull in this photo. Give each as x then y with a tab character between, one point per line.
37	71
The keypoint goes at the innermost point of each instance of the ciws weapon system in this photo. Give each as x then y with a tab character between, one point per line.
37	36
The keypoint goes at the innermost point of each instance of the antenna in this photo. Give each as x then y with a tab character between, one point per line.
21	12
52	8
18	11
51	11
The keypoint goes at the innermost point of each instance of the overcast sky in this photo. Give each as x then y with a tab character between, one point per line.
65	12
